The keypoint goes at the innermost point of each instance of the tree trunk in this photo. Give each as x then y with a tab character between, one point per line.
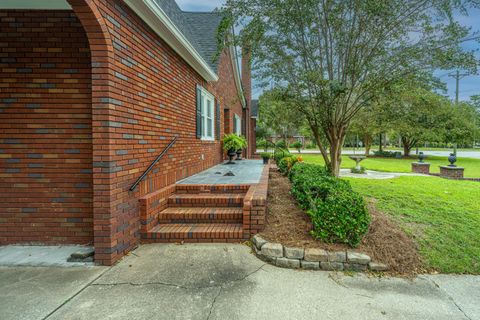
407	146
367	141
380	145
318	140
336	137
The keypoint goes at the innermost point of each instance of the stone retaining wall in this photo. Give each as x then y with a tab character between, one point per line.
313	258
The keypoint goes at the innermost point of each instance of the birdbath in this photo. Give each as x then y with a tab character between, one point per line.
357	160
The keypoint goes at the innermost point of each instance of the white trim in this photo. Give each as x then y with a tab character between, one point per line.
35	4
204	112
238	124
236	74
157	19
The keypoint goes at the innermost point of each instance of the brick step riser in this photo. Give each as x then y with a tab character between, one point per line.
210	191
175	236
204	203
151	240
233	220
189	189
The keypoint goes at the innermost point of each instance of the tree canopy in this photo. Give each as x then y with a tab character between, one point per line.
335	57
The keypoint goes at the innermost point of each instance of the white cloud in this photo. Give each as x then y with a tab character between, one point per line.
199	5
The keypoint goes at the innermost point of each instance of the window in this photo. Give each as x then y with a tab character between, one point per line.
237	125
207	115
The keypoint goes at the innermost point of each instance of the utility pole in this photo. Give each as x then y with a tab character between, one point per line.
457	75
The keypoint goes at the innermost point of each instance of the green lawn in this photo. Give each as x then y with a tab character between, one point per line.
472	166
443	216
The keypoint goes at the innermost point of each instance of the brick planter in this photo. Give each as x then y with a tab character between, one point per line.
421	167
451	172
313	258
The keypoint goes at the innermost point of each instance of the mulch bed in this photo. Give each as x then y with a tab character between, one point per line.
385	242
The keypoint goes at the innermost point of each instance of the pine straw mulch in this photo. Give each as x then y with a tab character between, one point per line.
385	242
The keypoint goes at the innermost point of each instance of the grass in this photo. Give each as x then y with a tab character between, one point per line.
443	217
472	166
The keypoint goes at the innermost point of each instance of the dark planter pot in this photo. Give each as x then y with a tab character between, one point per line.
452	159
265	160
421	157
231	153
239	155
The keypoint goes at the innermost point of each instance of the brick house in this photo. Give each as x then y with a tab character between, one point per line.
91	92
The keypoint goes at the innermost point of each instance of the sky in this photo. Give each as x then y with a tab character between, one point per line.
469	85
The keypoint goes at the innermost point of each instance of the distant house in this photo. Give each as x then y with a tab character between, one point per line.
92	91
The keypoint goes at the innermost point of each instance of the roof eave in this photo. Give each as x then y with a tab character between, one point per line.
157	19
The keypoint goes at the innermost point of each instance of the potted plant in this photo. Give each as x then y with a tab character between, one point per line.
266	156
243	142
231	143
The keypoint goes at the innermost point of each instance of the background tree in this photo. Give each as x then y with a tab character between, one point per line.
335	56
279	116
369	123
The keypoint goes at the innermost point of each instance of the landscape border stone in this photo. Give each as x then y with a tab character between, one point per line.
313	258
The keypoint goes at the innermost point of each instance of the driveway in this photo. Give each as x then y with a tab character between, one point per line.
460	154
219	281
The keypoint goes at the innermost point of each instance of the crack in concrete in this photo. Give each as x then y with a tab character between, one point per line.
92	283
213	302
450	298
337	281
181	286
76	294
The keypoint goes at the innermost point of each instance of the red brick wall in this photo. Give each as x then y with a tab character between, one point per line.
143	94
228	89
150	99
45	129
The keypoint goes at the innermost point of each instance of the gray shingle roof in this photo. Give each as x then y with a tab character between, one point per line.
200	29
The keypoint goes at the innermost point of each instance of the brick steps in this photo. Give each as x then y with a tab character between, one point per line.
197	231
201	215
206	200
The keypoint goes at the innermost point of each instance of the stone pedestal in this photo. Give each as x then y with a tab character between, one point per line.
451	172
421	167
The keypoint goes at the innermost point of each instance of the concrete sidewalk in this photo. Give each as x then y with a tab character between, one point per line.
220	281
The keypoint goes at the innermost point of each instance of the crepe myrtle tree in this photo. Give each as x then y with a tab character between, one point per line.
335	56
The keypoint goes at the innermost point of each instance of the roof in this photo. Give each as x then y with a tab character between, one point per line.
254	109
200	29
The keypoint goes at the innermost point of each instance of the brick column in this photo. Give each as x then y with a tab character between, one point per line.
421	167
448	172
102	56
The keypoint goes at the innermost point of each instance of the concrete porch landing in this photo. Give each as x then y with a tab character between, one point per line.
245	172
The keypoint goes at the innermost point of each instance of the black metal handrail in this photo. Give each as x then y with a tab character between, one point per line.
160	156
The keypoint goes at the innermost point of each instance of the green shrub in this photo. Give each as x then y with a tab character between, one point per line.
358	171
338	213
387	154
279	154
311	145
281	144
286	163
297	145
261	144
266	155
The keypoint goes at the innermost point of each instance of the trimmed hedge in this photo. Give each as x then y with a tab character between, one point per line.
338	213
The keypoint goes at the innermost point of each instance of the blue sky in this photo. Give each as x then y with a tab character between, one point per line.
468	86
